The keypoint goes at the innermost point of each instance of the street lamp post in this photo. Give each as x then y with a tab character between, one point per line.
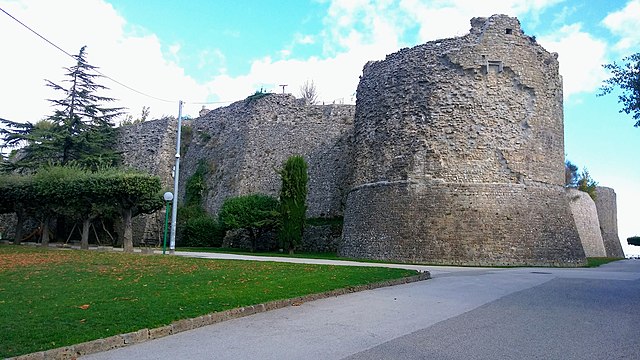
168	196
176	176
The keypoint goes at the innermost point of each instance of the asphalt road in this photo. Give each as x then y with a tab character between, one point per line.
461	313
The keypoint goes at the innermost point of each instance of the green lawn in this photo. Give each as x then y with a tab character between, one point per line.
52	298
597	261
305	255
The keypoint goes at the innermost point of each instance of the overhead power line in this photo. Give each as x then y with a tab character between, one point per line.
102	73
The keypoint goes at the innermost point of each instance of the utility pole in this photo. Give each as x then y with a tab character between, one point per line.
283	86
176	175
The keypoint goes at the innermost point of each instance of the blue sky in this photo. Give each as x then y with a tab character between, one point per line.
222	51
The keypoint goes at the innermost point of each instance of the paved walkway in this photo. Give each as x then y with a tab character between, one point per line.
462	313
434	270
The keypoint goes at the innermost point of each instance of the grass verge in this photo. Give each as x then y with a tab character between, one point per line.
304	255
53	298
597	261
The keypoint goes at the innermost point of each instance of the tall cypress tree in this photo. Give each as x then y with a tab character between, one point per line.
81	129
293	201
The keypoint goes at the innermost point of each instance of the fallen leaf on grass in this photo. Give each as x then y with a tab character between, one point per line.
84	307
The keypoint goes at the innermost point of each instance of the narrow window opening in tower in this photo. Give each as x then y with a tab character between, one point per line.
494	66
509	31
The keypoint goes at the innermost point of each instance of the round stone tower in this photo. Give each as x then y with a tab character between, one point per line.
459	154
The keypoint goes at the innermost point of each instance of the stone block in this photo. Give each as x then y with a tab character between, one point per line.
159	332
136	337
33	356
89	347
113	342
181	325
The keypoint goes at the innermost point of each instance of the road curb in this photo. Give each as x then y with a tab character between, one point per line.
142	335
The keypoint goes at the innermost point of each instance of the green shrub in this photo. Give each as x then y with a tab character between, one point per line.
634	240
196	185
186	134
257	213
196	228
259	94
202	231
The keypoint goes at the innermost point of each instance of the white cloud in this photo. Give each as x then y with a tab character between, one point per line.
336	78
359	31
581	57
305	39
624	23
356	32
212	58
133	59
449	18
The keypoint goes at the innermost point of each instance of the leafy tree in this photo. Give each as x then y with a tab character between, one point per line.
570	174
54	198
81	129
81	195
309	92
256	213
627	78
17	197
131	193
293	201
587	184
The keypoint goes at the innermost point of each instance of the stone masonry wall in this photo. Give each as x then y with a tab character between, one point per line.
456	155
150	147
608	218
245	143
460	154
586	217
465	224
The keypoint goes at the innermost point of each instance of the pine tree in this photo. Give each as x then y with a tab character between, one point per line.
81	130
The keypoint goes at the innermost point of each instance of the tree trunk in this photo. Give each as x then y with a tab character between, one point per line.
253	236
128	230
45	231
84	241
18	233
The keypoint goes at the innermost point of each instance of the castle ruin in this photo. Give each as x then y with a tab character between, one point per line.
460	149
453	154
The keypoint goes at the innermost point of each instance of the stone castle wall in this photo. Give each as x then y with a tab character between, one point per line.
608	218
455	157
245	143
150	146
460	154
585	215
